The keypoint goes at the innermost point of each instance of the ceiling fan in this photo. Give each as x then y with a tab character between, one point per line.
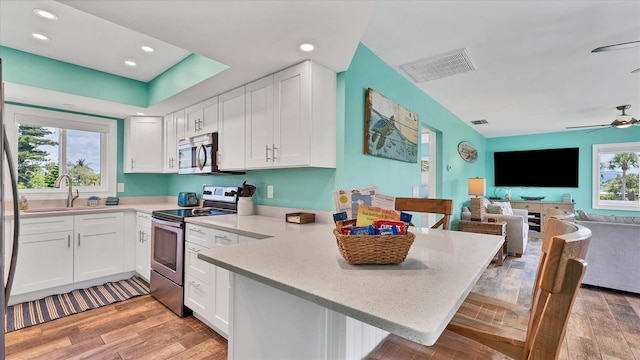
622	121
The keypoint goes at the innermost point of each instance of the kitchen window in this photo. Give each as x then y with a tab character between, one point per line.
51	143
616	172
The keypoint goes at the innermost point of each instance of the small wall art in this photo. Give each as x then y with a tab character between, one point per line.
390	130
467	152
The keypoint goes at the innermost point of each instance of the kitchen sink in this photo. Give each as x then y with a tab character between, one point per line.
57	209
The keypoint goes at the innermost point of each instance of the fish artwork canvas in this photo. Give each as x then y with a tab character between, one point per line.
391	131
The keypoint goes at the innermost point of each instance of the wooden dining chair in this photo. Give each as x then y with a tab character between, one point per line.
541	338
443	207
486	308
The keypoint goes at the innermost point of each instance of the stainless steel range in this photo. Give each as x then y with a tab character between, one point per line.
167	243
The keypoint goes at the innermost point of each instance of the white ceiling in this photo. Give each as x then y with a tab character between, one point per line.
534	68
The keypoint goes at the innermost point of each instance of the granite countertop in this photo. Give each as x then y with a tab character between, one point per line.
415	299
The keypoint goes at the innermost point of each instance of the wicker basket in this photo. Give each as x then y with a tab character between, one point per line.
374	249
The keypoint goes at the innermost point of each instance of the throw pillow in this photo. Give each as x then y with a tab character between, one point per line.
506	207
494	209
465	209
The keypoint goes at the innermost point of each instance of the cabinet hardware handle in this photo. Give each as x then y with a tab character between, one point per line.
78	239
199	231
274	152
139	235
266	152
194	250
68	241
132	163
193	283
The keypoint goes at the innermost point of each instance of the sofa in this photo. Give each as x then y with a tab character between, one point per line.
614	251
517	224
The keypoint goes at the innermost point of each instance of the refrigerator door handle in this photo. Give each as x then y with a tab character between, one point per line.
16	221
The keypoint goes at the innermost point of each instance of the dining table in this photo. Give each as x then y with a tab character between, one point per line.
294	296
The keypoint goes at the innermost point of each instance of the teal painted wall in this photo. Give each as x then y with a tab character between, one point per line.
28	69
188	72
583	139
395	177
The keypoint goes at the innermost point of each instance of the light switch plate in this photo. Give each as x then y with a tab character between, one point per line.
416	191
120	187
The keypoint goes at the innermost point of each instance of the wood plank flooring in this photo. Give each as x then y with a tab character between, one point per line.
603	325
140	328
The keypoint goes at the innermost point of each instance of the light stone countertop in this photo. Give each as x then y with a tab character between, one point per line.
78	210
415	300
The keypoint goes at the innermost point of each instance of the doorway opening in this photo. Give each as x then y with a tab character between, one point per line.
427	171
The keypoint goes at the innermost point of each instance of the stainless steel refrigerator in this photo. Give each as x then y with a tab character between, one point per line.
5	159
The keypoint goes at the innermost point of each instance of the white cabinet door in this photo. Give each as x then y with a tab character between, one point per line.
259	144
202	118
143	245
99	245
197	296
45	254
210	109
221	281
142	138
292	110
195	120
231	109
170	145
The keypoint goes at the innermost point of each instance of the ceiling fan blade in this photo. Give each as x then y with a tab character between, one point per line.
587	126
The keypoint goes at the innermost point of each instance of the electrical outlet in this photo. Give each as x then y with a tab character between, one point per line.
270	191
120	187
416	191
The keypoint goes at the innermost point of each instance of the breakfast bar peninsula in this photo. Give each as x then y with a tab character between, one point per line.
293	296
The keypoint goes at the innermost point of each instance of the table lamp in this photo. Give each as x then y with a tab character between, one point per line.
477	188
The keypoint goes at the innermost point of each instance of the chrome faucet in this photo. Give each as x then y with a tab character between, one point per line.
70	197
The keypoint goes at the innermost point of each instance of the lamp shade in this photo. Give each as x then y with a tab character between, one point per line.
477	187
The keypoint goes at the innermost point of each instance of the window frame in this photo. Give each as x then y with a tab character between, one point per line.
596	202
108	147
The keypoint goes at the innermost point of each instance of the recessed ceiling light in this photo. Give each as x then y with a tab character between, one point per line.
40	36
130	63
45	14
146	48
307	47
139	113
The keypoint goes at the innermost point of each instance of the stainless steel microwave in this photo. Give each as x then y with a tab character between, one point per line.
198	154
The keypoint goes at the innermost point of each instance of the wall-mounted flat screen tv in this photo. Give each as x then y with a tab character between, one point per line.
537	168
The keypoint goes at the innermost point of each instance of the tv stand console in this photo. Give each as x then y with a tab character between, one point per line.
537	210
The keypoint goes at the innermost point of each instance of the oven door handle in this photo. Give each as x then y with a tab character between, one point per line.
167	223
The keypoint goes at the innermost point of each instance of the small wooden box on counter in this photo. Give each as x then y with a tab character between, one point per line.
300	217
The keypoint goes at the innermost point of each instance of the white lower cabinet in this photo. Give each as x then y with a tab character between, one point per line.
143	245
45	254
99	246
60	250
207	287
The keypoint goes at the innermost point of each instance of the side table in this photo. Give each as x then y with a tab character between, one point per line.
491	228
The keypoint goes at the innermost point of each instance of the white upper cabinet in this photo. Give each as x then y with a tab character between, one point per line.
291	119
202	118
174	125
231	140
143	137
259	124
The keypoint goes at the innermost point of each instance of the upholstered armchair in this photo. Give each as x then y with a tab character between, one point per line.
517	224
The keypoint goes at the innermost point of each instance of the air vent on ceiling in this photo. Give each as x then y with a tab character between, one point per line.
479	122
439	66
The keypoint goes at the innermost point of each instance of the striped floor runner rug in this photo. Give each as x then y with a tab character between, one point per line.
56	306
